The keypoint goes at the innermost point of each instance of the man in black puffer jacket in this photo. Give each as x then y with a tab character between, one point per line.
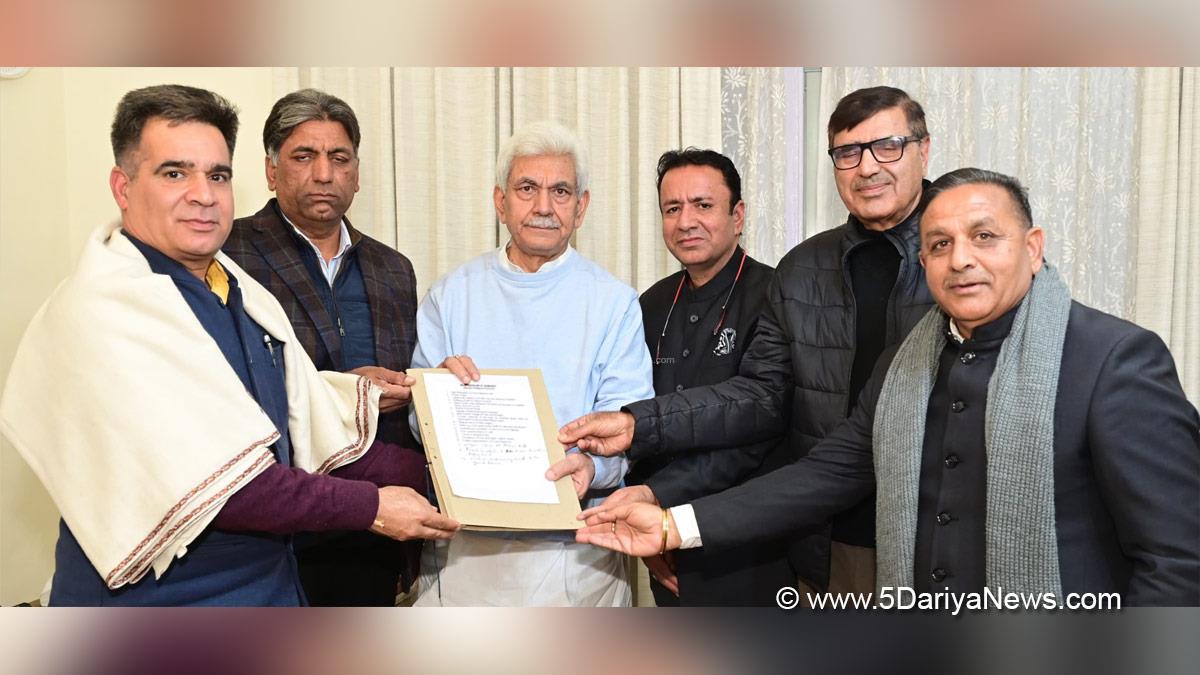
836	301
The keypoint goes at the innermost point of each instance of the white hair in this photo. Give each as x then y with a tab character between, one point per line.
542	138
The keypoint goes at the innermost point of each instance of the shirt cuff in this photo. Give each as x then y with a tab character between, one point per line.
609	471
685	524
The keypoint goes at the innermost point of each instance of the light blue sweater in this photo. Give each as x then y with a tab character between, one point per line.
576	322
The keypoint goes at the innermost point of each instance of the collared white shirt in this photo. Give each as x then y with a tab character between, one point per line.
328	267
509	265
954	331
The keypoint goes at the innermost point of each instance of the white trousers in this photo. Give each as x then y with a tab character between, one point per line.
478	570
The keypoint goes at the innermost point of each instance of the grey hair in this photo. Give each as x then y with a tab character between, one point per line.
542	138
303	106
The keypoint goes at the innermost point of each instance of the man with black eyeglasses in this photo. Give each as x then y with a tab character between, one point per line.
836	301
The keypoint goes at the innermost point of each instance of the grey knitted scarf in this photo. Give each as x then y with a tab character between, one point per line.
1022	547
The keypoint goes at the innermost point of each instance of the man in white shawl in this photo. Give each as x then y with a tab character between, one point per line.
194	435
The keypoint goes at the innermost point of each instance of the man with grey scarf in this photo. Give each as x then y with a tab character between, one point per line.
1017	440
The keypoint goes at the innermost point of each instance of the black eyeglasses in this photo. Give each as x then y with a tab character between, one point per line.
884	150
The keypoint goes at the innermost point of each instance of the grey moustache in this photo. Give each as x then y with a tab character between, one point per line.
543	223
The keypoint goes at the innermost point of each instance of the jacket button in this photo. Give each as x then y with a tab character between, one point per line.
951	461
939	574
944	518
693	318
686	353
957	406
967	357
679	387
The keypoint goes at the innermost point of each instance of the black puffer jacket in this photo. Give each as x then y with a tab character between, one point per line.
795	376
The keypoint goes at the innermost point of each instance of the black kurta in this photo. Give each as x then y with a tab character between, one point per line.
952	503
692	345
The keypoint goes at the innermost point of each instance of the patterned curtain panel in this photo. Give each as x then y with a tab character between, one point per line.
762	130
1069	134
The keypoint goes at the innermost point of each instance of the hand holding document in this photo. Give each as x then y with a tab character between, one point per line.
579	466
490	438
396	386
403	515
490	443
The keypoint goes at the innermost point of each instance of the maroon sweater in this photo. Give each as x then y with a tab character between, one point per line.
286	500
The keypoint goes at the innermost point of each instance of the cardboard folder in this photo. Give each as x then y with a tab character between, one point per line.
486	514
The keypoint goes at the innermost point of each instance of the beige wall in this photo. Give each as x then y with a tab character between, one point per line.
54	162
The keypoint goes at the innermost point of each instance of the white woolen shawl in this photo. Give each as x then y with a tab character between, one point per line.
128	412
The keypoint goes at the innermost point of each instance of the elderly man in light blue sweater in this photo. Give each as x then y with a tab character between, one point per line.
537	303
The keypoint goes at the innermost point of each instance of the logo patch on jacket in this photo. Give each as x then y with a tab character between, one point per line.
726	343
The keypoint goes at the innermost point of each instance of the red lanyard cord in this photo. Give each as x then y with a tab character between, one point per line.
679	290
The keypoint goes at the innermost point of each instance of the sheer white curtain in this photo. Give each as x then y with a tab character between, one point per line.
1167	298
446	123
368	91
626	117
430	137
1066	133
762	128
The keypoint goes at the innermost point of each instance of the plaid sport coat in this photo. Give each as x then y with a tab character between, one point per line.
265	245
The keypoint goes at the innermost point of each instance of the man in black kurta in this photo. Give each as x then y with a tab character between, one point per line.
837	300
698	322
